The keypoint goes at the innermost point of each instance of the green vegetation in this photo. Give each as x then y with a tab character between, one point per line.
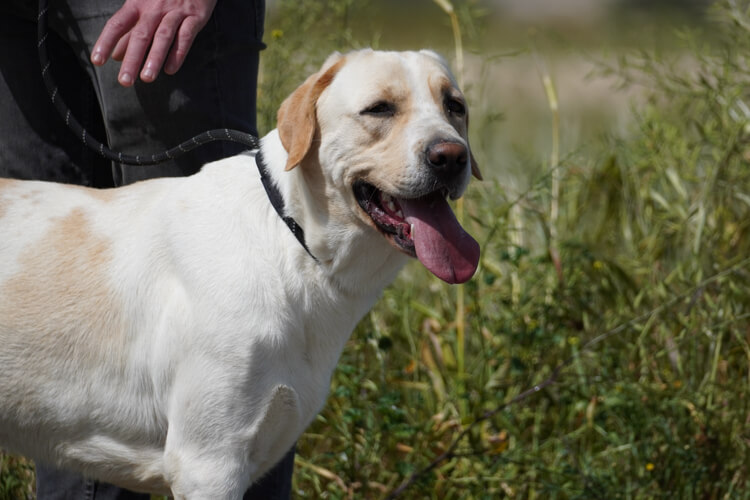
615	280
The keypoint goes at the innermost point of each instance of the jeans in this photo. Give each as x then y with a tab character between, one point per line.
54	484
215	88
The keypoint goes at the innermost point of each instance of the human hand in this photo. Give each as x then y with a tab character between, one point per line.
168	27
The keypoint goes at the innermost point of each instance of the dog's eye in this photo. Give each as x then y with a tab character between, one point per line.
455	107
380	108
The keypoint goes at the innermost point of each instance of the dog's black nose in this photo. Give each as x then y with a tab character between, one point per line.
447	159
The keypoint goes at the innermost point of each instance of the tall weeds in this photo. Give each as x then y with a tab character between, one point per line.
630	377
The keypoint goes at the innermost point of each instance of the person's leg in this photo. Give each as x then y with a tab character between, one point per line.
56	484
34	141
277	483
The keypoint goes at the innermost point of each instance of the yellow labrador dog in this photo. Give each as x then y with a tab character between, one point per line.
177	335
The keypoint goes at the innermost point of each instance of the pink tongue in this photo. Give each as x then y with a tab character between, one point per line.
442	245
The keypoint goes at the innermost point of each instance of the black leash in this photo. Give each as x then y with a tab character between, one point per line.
224	134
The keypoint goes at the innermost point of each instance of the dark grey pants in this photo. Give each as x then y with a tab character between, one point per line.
215	88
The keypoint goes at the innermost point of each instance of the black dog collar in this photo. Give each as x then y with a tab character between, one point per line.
274	196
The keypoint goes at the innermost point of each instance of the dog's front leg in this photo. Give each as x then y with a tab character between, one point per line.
207	459
207	476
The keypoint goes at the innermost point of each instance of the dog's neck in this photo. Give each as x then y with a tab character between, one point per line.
277	201
359	257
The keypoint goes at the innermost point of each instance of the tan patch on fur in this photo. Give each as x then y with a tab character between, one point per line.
439	87
60	303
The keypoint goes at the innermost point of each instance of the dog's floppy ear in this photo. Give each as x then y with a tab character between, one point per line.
296	120
474	167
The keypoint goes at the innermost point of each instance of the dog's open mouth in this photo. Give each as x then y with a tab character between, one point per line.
385	211
423	227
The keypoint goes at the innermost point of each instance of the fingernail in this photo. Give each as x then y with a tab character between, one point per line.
148	72
97	57
126	79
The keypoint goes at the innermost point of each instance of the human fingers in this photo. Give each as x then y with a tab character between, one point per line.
140	39
163	39
116	27
152	26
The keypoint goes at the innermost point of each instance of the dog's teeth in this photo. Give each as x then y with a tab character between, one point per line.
389	202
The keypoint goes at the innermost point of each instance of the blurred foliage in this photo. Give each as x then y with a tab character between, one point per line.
298	37
643	304
648	314
16	477
691	7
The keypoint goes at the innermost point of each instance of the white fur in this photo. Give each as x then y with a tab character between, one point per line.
179	339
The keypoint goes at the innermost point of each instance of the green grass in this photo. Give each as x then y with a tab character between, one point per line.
629	308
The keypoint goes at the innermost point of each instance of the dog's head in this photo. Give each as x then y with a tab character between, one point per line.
386	134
